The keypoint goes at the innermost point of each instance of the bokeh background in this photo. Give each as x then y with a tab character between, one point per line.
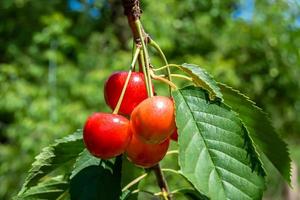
55	56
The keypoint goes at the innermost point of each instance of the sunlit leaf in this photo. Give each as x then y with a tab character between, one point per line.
202	79
212	152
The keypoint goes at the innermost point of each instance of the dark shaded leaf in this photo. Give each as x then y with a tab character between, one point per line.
98	182
51	158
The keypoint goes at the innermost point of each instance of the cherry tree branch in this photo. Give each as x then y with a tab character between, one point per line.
133	12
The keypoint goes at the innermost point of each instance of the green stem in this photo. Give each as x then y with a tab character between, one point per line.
146	71
116	110
133	50
142	58
166	66
162	55
172	152
170	170
182	77
178	76
135	181
166	81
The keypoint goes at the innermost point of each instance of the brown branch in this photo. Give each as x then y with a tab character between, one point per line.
161	181
133	12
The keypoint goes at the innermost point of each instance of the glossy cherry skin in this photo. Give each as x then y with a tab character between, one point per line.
135	93
106	135
174	136
153	121
146	155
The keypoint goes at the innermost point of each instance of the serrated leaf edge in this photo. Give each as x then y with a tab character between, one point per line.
49	152
269	121
204	84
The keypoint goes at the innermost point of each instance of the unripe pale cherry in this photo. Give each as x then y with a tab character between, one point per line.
146	155
106	135
153	121
135	93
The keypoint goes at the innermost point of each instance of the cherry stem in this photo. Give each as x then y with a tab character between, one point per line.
166	66
142	58
134	47
116	110
133	182
172	152
161	181
179	76
166	81
146	58
162	55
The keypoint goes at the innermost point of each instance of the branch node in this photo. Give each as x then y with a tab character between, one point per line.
132	7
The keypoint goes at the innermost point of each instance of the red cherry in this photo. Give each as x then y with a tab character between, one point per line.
174	135
146	155
106	135
135	93
153	120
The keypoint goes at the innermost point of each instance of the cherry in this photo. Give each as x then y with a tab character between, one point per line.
174	135
106	135
146	155
135	92
153	120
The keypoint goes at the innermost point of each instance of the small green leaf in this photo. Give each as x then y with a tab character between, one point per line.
51	158
202	79
49	189
212	152
260	130
98	182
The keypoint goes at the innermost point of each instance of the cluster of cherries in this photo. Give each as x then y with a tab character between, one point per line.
145	137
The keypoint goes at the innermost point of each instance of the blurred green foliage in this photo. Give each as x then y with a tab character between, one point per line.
54	61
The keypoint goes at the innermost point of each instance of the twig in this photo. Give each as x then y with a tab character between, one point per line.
161	181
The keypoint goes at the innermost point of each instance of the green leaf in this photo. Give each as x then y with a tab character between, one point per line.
260	130
51	158
190	194
85	159
49	189
98	182
125	195
202	79
129	173
145	195
212	153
